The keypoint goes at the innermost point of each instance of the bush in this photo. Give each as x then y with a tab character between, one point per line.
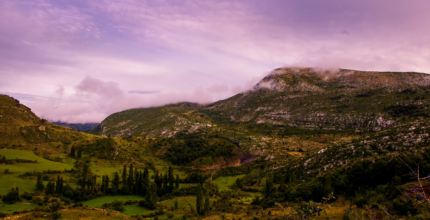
170	215
404	207
12	196
27	196
118	205
38	201
45	177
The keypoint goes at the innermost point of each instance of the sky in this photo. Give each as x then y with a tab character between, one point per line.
79	61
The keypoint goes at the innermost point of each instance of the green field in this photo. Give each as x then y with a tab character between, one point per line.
12	179
19	206
224	182
133	209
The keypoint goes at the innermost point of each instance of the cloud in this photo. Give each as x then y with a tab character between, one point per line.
95	99
194	50
143	92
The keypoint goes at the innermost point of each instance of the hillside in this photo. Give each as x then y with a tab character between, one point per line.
21	129
288	108
86	127
302	143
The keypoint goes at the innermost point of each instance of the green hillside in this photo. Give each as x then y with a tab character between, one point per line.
301	144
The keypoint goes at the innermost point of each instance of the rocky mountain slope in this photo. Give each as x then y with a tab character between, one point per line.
293	111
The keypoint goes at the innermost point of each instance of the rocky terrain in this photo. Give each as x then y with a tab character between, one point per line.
291	112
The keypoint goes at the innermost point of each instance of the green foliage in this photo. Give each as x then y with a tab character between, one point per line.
190	147
39	183
199	200
12	196
151	197
210	187
118	205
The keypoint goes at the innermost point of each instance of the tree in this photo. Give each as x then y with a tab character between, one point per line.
151	197
115	183
59	185
206	206
84	176
130	179
210	186
50	188
158	180
268	187
72	152
12	196
199	200
292	179
79	152
39	183
171	179
177	182
124	175
118	205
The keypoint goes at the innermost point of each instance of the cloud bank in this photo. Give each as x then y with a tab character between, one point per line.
122	51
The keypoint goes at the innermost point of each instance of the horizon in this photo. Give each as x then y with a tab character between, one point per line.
78	62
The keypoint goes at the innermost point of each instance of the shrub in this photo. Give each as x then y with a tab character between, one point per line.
118	205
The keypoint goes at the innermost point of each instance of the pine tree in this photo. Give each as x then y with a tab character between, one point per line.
93	183
268	188
158	180
84	176
292	178
177	182
146	173
130	180
39	183
171	179
151	197
102	188
115	183
165	182
72	152
199	200
206	206
59	185
106	185
50	188
124	175
79	152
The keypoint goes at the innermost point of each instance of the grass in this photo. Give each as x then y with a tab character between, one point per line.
80	213
133	209
183	202
224	182
7	181
19	206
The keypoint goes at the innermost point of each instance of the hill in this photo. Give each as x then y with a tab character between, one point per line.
85	127
21	129
291	110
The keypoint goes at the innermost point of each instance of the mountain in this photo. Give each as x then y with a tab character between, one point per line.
21	129
85	127
292	111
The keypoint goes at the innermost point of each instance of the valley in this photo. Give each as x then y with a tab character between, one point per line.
303	143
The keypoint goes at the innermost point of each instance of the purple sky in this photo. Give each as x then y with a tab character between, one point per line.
79	61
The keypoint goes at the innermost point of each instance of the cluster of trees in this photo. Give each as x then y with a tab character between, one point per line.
11	161
76	152
105	147
54	187
366	182
204	191
190	147
12	196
